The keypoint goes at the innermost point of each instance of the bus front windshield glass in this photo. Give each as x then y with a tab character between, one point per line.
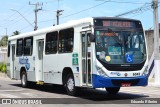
120	47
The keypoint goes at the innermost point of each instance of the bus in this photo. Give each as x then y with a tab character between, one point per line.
94	52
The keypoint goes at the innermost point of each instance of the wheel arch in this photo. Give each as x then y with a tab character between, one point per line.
65	72
21	70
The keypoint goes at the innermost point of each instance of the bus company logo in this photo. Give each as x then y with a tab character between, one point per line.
115	73
25	61
125	74
6	101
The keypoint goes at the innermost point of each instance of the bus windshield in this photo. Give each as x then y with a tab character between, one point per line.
117	46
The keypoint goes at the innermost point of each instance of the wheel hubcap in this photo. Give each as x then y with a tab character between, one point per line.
70	84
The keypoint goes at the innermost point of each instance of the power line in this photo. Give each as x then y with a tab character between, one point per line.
149	4
94	7
15	12
145	7
125	2
77	12
141	13
24	28
22	16
16	19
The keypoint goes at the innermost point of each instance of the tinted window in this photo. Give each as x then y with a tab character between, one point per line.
28	46
8	48
51	43
66	40
19	49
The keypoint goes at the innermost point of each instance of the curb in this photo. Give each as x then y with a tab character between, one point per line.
153	84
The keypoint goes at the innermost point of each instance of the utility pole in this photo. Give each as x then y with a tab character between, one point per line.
36	11
6	31
58	14
156	43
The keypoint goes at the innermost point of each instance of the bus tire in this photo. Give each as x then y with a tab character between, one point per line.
70	85
24	81
114	90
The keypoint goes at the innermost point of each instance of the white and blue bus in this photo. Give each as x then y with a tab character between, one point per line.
98	52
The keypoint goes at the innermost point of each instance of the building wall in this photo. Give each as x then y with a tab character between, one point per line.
3	54
150	41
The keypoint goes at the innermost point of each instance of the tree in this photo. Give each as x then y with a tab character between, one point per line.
16	33
3	41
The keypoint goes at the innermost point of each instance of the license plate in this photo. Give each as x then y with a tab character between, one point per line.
126	84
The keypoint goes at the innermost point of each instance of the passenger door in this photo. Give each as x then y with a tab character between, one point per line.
40	46
86	58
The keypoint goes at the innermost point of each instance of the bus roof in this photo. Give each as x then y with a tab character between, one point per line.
116	18
52	28
63	26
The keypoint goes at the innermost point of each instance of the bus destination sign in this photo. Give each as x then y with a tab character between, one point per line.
116	24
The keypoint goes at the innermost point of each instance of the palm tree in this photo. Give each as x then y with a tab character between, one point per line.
16	33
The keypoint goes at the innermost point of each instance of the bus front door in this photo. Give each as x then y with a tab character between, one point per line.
40	46
86	58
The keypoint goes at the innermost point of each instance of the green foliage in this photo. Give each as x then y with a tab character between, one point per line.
3	67
3	41
16	33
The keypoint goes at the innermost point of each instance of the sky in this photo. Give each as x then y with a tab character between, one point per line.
11	21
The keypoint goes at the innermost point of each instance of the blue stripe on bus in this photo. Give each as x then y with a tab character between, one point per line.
151	68
102	82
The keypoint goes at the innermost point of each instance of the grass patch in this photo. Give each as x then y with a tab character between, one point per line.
3	68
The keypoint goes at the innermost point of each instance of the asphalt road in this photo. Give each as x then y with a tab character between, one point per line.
55	94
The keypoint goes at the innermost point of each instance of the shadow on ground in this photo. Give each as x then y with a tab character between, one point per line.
88	96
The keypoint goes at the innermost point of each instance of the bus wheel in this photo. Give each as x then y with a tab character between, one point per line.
114	90
70	85
24	79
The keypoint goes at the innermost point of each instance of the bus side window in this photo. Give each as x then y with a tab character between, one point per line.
28	46
19	47
51	43
66	40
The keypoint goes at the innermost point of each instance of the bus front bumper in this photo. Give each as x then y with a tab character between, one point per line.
102	82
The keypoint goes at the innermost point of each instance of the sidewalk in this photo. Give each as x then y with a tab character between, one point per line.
153	84
3	75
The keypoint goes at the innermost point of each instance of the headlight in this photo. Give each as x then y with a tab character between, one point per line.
101	72
145	73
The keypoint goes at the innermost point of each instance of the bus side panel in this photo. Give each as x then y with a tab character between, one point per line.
50	68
